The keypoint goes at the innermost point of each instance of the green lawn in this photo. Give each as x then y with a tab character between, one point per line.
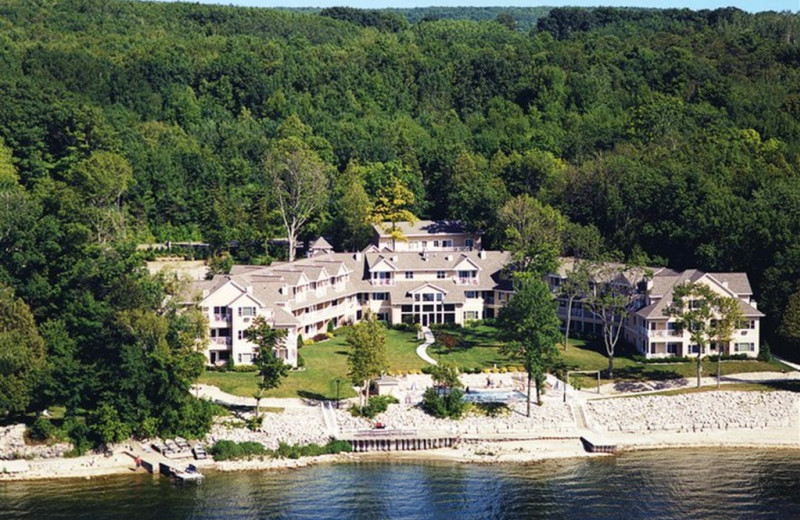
476	347
324	363
479	347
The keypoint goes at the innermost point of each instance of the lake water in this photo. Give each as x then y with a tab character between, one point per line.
683	484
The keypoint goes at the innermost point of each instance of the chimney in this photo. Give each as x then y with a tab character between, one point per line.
357	256
482	254
249	289
394	259
449	258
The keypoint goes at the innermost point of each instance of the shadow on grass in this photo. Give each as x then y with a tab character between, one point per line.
313	396
646	373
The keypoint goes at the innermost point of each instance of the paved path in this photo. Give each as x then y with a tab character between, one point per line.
795	366
216	395
422	349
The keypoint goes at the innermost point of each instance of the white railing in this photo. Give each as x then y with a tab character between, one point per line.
467	281
221	341
382	281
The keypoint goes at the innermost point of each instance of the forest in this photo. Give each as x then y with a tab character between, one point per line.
672	135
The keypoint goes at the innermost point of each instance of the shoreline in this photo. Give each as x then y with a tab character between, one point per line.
478	451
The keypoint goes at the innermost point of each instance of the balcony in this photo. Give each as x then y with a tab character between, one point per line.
222	317
382	281
222	341
664	333
467	281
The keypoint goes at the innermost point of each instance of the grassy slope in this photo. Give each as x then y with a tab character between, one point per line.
324	363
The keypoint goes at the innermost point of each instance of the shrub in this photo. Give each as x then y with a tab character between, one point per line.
230	450
254	423
764	353
107	426
42	430
320	337
244	368
300	342
376	405
330	327
295	451
300	361
448	404
78	433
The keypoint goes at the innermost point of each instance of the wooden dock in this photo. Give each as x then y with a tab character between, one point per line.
157	464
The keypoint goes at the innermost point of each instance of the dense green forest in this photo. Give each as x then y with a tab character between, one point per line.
675	134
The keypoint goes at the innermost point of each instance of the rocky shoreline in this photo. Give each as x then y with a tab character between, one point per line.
714	419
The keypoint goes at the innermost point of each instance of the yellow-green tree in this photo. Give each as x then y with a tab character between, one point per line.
392	205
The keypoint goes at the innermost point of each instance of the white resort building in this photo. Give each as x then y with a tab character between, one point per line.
440	275
650	329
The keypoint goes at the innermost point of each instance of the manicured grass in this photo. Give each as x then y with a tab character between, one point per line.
476	347
325	362
479	347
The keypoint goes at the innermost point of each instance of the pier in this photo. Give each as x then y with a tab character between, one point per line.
159	465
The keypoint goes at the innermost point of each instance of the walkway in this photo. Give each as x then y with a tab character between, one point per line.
217	396
423	347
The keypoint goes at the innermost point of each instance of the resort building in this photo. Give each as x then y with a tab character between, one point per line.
647	325
438	276
303	297
427	235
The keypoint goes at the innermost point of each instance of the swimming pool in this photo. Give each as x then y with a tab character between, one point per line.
494	396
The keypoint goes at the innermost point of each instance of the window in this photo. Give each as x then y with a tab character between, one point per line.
435	243
468	242
440	275
409	275
447	243
382	316
427	297
247	311
221	311
696	304
747	324
240	334
424	244
471	294
439	297
744	347
652	325
380	296
672	348
471	315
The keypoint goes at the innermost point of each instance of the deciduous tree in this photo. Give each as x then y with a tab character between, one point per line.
693	307
271	369
22	353
531	326
367	359
300	185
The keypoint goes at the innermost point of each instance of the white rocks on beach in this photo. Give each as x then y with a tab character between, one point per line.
694	412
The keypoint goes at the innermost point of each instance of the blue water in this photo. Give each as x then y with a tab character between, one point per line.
493	396
685	484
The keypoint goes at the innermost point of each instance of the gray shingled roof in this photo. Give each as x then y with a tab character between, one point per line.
321	243
423	227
